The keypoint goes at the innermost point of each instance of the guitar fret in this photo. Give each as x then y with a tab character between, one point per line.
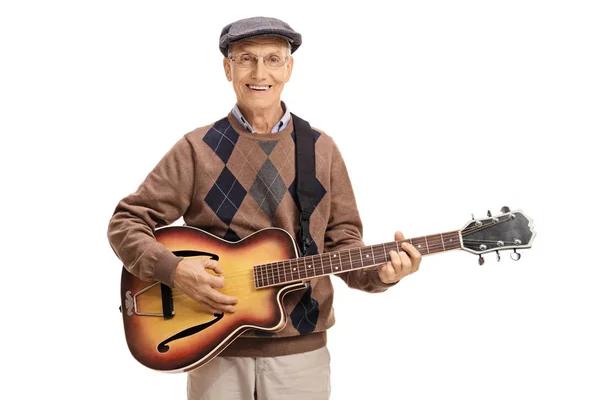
304	268
262	281
300	269
343	261
281	271
286	274
417	242
386	253
278	275
337	255
295	268
310	266
436	242
350	256
322	266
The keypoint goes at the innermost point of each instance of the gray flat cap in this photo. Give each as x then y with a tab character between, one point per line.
255	27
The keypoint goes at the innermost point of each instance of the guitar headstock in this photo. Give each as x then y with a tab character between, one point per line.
510	230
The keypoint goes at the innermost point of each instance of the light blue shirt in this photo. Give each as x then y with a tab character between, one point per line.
283	122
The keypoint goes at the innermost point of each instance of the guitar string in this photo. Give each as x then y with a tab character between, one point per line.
278	273
381	250
377	251
484	226
434	247
280	268
290	276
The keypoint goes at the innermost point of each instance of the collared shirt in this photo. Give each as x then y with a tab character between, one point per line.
283	122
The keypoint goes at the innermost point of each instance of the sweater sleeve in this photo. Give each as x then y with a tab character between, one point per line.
161	199
344	228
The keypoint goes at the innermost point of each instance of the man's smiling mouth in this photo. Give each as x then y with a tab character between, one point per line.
259	88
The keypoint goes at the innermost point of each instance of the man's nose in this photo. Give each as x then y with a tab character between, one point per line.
259	70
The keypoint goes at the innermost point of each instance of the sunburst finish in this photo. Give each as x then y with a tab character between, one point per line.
260	309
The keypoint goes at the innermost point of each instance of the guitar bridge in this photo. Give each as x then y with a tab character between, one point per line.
151	302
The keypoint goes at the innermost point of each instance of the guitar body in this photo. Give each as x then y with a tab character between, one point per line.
189	337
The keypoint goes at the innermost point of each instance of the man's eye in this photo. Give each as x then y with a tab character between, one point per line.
274	59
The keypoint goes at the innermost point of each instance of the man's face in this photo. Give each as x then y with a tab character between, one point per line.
258	88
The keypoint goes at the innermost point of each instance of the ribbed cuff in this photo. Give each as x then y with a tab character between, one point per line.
377	282
164	266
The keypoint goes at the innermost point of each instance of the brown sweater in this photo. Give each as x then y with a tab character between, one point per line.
230	182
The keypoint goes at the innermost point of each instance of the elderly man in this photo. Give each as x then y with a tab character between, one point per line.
232	178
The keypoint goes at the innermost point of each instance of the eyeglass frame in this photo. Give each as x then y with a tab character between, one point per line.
256	57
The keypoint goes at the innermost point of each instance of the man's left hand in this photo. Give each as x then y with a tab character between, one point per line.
402	263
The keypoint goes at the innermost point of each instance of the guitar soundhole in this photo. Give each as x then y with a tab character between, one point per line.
163	348
195	253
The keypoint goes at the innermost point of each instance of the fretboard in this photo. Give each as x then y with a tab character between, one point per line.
298	269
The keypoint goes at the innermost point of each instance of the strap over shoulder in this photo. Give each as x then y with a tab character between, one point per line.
305	181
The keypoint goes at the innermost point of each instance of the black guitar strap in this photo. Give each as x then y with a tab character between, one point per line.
305	182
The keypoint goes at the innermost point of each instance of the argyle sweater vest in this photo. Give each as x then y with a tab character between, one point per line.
232	183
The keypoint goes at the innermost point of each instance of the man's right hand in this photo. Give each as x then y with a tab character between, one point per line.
192	279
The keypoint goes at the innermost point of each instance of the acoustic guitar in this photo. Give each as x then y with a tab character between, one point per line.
168	331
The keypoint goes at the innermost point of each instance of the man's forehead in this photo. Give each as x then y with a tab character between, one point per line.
269	42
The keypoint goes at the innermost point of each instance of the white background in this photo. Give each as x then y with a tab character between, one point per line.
441	109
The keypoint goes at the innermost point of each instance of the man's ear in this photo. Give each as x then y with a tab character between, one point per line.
290	67
227	68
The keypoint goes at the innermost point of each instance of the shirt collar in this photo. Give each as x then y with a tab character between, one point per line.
283	122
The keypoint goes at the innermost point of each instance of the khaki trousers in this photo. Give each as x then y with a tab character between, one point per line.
294	377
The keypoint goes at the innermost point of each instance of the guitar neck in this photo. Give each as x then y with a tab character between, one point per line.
298	269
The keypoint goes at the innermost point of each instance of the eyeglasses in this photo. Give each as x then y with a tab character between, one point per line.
249	60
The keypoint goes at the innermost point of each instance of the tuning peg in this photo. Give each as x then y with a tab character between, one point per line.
497	256
481	260
505	209
515	256
489	213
